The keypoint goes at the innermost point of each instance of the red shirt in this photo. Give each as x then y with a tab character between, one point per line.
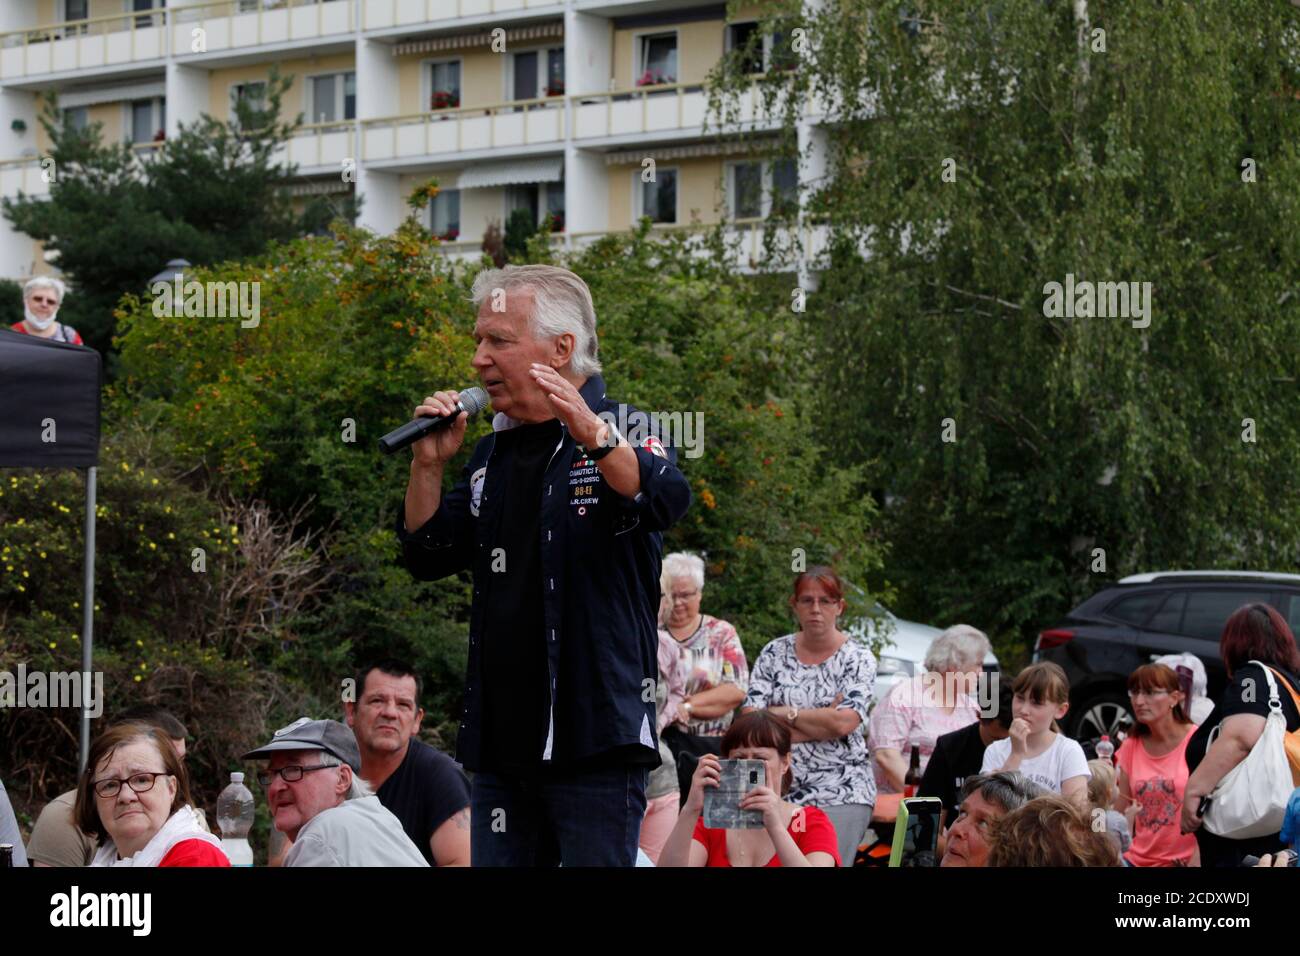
194	853
813	833
61	336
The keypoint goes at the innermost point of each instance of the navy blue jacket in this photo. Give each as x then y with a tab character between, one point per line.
600	556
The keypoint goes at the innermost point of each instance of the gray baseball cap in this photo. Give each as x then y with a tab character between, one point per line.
307	734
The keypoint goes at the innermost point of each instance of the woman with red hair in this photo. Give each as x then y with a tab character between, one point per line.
1254	633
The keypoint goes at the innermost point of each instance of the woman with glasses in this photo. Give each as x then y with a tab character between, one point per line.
1153	769
819	683
918	711
713	660
134	797
42	297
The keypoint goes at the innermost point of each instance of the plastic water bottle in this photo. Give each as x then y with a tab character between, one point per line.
235	819
1105	749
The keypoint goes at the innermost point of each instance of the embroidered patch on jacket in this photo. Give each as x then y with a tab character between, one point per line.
654	446
476	490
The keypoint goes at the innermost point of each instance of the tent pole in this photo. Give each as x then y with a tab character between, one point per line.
88	614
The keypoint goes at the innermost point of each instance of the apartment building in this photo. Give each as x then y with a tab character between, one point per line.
553	106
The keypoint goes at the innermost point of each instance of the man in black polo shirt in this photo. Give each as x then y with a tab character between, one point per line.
559	516
960	754
422	787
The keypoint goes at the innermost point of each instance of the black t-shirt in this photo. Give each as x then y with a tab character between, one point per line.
957	755
1247	682
424	792
516	679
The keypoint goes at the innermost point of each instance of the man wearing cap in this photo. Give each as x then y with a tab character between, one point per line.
319	801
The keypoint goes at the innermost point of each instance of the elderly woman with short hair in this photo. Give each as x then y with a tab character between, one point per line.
134	797
717	674
935	702
42	297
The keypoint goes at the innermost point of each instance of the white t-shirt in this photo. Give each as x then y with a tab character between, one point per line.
1061	761
361	832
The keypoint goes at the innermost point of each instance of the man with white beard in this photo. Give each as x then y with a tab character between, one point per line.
42	297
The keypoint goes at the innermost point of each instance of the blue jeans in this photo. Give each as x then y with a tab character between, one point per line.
583	818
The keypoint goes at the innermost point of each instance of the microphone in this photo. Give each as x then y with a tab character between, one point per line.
472	400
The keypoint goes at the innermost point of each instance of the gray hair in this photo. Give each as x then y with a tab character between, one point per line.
1008	789
958	648
359	787
561	306
45	282
683	564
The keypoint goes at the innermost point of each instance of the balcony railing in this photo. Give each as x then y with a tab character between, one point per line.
464	128
136	37
321	144
648	109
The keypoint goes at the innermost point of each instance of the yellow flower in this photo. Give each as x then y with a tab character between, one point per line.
42	554
155	481
139	643
25	574
53	645
171	536
137	678
152	546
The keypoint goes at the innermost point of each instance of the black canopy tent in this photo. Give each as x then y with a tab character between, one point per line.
49	418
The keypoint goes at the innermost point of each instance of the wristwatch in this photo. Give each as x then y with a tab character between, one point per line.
612	441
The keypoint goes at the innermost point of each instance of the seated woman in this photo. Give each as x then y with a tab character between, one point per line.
134	798
791	835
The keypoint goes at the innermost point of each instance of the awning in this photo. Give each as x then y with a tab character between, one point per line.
327	187
549	170
540	31
112	94
633	157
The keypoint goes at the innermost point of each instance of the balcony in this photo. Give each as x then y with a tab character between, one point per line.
320	146
130	40
23	174
663	108
519	124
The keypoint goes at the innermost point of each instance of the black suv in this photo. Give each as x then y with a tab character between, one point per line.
1146	616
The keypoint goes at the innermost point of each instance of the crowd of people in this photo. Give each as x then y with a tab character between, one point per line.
365	791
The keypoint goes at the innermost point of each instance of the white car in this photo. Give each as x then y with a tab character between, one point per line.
904	653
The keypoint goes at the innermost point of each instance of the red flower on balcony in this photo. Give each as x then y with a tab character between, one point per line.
444	99
159	136
451	235
556	220
654	79
556	90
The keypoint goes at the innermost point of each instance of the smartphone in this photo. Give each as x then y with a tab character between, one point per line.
916	832
722	803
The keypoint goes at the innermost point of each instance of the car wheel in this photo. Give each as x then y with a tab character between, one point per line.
1106	713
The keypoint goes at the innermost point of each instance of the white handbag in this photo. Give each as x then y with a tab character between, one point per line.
1250	801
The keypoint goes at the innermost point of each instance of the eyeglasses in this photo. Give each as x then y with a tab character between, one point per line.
290	774
683	595
41	300
139	782
1149	694
808	601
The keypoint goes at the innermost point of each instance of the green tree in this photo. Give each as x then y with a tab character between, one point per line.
978	153
214	192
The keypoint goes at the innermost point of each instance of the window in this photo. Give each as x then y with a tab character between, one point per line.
76	117
444	79
747	190
253	94
1208	611
555	205
1169	619
333	98
658	59
536	73
522	196
555	72
444	215
525	86
1136	608
756	190
146	120
143	5
659	198
785	186
738	38
780	51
